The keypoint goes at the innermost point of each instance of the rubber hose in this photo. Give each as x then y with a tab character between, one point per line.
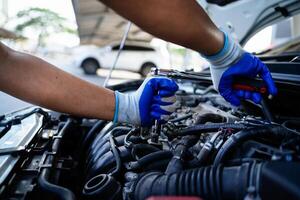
157	165
175	165
205	128
179	153
204	182
54	190
107	162
246	181
238	138
140	150
150	159
116	154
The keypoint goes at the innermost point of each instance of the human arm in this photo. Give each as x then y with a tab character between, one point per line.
186	23
34	80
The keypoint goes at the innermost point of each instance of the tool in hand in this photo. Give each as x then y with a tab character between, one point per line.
157	126
255	85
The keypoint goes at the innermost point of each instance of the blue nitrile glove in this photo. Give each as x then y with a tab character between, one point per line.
232	61
155	99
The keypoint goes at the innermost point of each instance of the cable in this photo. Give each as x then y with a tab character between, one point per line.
119	53
116	155
205	128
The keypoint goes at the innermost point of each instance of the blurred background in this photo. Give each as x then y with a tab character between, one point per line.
82	37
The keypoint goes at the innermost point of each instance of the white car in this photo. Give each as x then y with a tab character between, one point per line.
136	57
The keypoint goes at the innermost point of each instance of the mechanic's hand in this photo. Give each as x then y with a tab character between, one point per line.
155	99
248	66
232	62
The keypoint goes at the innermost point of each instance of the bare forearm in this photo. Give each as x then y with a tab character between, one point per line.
36	81
182	22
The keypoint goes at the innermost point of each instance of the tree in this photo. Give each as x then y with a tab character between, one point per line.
42	21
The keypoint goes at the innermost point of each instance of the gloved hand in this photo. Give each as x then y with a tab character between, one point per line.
232	61
155	99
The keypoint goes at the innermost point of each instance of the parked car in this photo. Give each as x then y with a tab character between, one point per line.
136	57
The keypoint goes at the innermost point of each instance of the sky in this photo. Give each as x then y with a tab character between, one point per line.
63	7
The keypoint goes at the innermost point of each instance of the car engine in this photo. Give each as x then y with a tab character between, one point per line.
207	149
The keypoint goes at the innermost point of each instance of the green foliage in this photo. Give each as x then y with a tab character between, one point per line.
43	21
179	51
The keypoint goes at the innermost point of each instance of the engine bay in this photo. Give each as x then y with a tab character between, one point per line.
207	149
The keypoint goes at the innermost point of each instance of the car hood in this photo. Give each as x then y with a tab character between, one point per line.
244	18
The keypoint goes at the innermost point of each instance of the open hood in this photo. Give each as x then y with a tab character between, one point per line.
244	18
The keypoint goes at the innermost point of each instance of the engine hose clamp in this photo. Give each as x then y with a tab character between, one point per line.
254	180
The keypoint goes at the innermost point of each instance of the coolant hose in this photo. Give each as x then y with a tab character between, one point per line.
246	181
107	162
179	153
150	159
140	150
56	191
238	138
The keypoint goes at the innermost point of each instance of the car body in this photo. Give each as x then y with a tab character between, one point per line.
291	47
253	15
135	56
